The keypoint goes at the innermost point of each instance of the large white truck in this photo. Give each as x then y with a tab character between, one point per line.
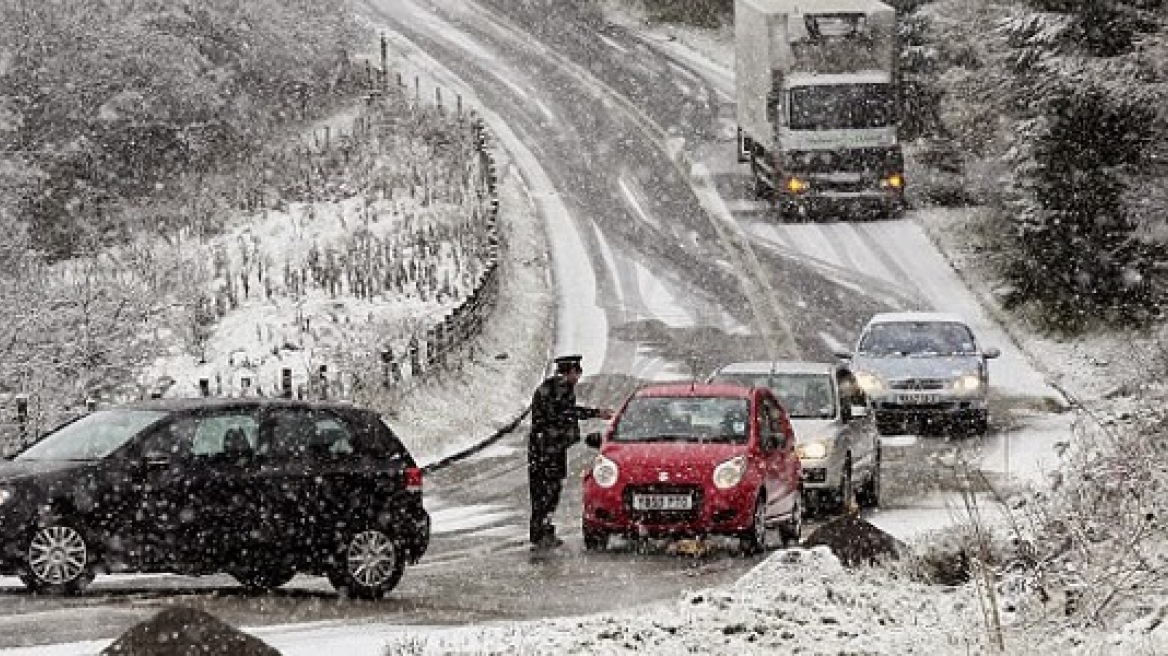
818	105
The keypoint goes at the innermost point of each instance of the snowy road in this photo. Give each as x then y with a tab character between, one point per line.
622	149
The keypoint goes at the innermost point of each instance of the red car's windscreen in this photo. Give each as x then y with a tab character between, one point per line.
684	419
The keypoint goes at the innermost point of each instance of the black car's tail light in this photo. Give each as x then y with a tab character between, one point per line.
413	479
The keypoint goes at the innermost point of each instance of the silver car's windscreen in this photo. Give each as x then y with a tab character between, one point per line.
805	396
929	338
684	419
91	437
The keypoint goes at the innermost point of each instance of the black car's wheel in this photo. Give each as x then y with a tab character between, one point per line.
791	531
58	559
869	495
370	564
753	541
263	579
595	540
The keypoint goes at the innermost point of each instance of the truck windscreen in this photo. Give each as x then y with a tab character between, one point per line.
842	107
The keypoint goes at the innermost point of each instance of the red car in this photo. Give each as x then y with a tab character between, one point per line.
686	460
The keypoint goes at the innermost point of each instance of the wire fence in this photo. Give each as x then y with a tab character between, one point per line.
456	262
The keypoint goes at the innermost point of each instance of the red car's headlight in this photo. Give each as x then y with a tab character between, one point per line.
730	473
604	471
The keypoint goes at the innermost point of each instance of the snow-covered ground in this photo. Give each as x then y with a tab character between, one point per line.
797	601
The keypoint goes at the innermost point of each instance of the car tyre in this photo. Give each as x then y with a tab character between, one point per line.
263	579
869	495
370	563
845	497
754	540
595	540
791	531
762	190
58	559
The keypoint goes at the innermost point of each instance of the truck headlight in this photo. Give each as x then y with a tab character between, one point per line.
869	382
604	471
730	473
812	451
968	383
797	185
894	181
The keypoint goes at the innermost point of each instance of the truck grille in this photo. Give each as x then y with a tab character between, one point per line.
918	384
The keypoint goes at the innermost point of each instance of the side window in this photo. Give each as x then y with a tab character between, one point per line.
233	433
850	392
285	433
295	433
772	419
331	437
766	424
169	441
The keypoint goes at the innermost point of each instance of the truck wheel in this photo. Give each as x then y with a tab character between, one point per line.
762	188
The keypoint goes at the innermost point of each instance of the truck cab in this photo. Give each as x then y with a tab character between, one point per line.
818	105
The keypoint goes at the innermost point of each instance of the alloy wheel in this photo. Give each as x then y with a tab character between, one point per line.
371	559
58	555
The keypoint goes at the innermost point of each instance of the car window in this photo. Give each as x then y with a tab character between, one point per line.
683	419
286	432
769	425
917	338
804	395
230	433
289	432
93	436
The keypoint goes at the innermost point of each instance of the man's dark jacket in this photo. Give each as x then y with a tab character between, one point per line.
555	426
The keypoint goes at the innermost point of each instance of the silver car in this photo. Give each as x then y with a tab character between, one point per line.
837	444
923	370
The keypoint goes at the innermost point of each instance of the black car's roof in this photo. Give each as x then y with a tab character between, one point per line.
189	404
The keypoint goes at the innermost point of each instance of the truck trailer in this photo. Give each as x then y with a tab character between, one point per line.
818	105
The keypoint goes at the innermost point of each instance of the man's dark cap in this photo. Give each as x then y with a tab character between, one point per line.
566	363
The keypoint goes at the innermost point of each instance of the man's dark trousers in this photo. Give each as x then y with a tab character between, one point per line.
545	497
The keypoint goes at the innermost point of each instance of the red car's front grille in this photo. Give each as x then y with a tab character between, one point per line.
663	516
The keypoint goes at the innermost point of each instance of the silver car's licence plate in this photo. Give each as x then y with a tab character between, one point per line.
917	399
662	502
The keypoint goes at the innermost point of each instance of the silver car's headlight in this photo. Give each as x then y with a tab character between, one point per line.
869	382
605	471
730	473
967	383
813	450
6	495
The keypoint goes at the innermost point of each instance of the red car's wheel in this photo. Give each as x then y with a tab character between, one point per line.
754	539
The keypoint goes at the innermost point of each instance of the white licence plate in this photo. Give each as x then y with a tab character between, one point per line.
917	399
662	502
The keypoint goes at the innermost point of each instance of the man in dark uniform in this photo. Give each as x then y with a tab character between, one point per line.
554	427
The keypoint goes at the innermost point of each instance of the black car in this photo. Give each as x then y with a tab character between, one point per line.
258	488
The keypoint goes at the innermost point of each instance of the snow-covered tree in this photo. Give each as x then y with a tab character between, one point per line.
1083	97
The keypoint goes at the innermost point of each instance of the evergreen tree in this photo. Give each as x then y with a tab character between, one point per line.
1086	130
